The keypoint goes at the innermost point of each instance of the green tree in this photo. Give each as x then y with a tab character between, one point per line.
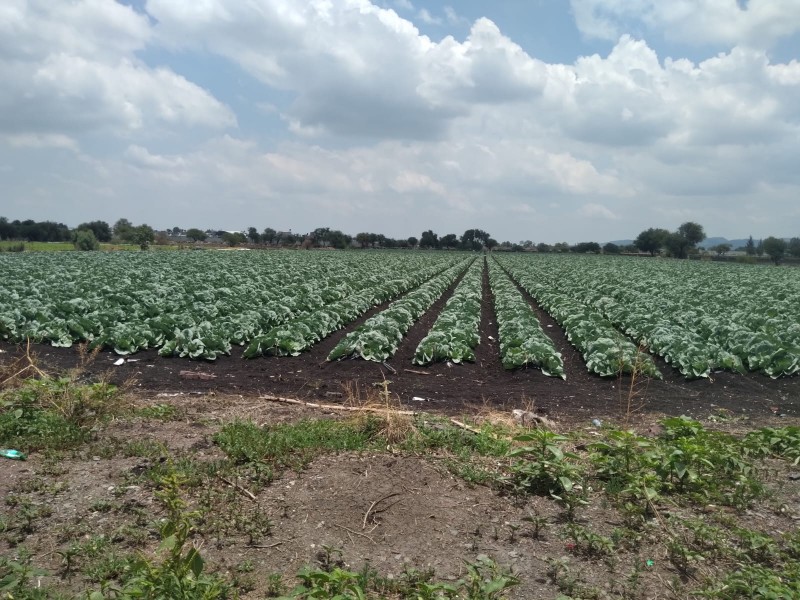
794	247
100	229
775	248
429	239
651	240
561	247
233	238
253	234
123	230
692	232
85	240
449	241
339	240
474	239
721	249
6	229
196	235
586	248
610	248
542	247
363	239
760	248
268	236
750	247
677	245
412	242
142	236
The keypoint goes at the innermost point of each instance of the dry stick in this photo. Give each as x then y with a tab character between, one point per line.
388	366
369	510
417	372
410	413
477	431
364	535
236	486
275	545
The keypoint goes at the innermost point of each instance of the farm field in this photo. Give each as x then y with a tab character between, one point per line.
402	472
441	327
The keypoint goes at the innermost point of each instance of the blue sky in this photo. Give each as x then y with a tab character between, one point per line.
549	120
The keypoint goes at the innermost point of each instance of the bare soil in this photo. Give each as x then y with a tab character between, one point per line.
390	512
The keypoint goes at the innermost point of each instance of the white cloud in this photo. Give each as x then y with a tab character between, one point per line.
387	130
759	23
426	17
69	68
453	18
597	211
33	140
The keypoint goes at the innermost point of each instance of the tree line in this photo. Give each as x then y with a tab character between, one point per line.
88	236
683	242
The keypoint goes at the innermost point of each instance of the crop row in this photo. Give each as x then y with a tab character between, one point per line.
701	317
193	303
605	350
456	332
522	341
379	336
298	335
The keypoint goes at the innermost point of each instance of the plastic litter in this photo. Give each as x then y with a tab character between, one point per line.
597	422
649	562
12	454
119	361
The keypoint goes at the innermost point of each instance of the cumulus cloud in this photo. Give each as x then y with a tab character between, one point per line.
426	17
70	68
597	211
377	127
758	23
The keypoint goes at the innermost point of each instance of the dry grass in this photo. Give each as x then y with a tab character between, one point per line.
396	424
16	370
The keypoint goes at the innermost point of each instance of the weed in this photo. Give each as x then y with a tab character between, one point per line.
52	413
180	573
587	543
294	445
538	524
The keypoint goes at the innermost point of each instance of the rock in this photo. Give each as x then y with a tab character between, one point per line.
527	418
197	375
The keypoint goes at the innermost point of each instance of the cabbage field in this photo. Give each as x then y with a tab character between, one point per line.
618	313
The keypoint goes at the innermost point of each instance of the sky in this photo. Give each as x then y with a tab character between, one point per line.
543	120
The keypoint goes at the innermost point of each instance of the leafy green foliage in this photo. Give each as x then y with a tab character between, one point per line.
543	467
605	350
309	327
456	331
52	413
199	304
696	315
522	341
379	337
294	445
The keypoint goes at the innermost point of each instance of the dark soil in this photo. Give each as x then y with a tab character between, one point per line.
445	386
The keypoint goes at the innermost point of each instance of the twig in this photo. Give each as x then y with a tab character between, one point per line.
236	486
477	431
416	372
465	426
364	535
388	366
371	506
410	413
275	545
